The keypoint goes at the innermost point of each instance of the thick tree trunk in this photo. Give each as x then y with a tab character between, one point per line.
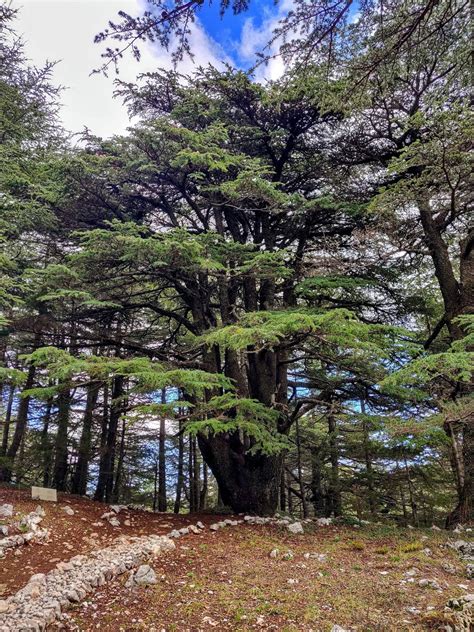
247	483
79	481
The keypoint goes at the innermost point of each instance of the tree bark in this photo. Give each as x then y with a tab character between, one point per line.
247	482
8	416
162	503
180	472
6	470
61	444
79	481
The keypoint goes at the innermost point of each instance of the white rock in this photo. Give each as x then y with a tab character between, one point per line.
68	510
324	522
288	555
429	583
435	528
174	534
145	575
6	511
200	525
337	628
274	553
296	527
116	508
115	522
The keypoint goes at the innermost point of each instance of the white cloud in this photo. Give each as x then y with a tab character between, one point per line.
254	39
64	30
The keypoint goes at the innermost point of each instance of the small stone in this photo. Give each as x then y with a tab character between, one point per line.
470	571
449	568
429	583
274	553
288	555
435	528
174	534
337	628
68	510
145	575
6	511
115	522
200	525
214	527
296	527
3	530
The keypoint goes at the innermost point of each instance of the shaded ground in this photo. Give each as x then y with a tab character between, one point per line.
227	581
71	535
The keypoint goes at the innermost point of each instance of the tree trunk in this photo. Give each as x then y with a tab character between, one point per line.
8	416
45	445
318	496
6	470
60	447
203	492
115	412
79	482
180	473
248	483
119	470
334	491
100	488
162	504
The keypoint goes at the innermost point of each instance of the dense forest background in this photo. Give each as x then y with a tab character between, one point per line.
262	295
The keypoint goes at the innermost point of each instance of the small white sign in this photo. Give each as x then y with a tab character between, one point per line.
44	493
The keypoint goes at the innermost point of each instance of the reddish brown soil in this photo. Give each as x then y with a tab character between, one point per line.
72	535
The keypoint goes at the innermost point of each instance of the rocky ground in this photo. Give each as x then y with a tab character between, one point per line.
246	576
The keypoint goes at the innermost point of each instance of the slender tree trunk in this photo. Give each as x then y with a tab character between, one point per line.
282	490
203	492
115	412
61	444
180	473
79	481
334	491
300	471
162	502
45	445
119	470
411	493
368	462
100	488
6	470
317	483
8	416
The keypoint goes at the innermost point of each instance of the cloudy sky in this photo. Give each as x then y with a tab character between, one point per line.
63	30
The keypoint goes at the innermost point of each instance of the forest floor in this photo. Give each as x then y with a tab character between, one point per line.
367	579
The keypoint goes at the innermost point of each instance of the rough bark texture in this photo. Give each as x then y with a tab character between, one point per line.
79	482
247	483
